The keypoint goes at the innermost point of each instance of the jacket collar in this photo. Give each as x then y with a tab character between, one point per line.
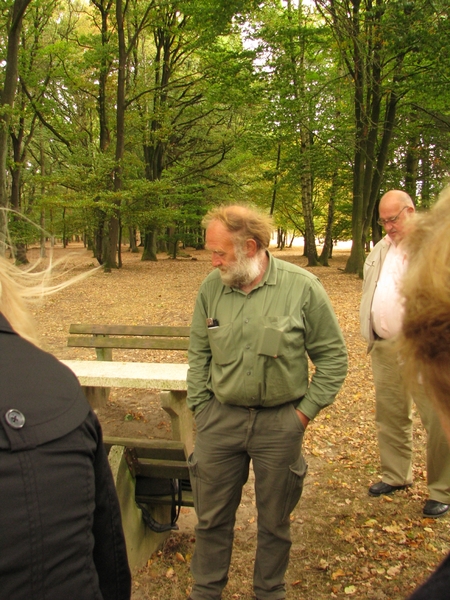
5	327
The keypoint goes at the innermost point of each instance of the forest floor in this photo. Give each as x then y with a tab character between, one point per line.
345	544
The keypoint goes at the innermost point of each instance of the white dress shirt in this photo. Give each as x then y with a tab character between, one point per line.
387	304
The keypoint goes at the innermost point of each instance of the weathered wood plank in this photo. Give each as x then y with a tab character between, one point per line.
168	469
102	373
150	343
151	330
187	499
149	448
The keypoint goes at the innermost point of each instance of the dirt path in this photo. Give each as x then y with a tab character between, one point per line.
344	543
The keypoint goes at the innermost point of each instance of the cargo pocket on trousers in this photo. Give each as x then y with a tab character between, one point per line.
193	474
297	473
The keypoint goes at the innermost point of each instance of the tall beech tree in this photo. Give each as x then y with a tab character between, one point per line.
303	116
13	26
383	47
180	117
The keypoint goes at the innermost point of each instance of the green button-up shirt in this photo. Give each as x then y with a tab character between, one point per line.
258	353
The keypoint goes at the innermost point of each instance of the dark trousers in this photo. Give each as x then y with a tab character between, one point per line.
228	437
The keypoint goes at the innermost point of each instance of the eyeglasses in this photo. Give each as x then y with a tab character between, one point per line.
384	222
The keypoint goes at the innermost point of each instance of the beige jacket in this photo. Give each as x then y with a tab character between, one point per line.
372	270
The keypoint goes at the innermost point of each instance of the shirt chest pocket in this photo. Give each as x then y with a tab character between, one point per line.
270	342
223	344
278	335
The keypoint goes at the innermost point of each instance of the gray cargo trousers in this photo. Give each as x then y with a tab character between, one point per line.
228	437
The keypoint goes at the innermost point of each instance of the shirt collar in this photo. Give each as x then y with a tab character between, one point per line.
397	247
270	276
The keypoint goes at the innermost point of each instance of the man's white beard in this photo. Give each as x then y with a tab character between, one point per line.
244	270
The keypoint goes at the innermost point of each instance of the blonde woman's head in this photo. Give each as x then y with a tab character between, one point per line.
425	342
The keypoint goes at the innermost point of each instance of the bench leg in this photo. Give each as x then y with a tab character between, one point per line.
141	541
174	403
96	396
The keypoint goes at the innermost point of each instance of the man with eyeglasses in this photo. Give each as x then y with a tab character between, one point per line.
381	314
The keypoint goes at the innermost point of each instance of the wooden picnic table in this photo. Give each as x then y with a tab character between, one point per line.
102	373
170	380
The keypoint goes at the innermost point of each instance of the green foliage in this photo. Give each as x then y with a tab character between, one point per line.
22	231
213	90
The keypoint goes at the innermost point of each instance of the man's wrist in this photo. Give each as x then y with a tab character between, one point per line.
303	418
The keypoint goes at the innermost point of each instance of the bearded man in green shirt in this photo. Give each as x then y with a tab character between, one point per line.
256	321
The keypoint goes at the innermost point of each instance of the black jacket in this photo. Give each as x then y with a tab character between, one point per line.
437	587
61	536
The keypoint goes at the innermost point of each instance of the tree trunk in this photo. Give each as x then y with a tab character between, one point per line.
356	260
7	96
112	239
300	117
310	236
20	251
110	242
275	180
426	177
328	242
388	128
150	238
172	245
155	148
412	167
99	234
133	242
20	247
16	171
281	238
42	250
101	238
359	29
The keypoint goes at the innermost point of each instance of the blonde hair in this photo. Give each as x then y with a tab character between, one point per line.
12	301
425	340
244	222
21	287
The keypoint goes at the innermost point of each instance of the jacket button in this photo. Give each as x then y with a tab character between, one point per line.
15	418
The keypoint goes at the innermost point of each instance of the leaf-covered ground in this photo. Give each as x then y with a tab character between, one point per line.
345	544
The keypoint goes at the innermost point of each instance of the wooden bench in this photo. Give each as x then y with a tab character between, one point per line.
104	338
147	518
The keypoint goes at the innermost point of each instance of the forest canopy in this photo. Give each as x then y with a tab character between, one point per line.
125	120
